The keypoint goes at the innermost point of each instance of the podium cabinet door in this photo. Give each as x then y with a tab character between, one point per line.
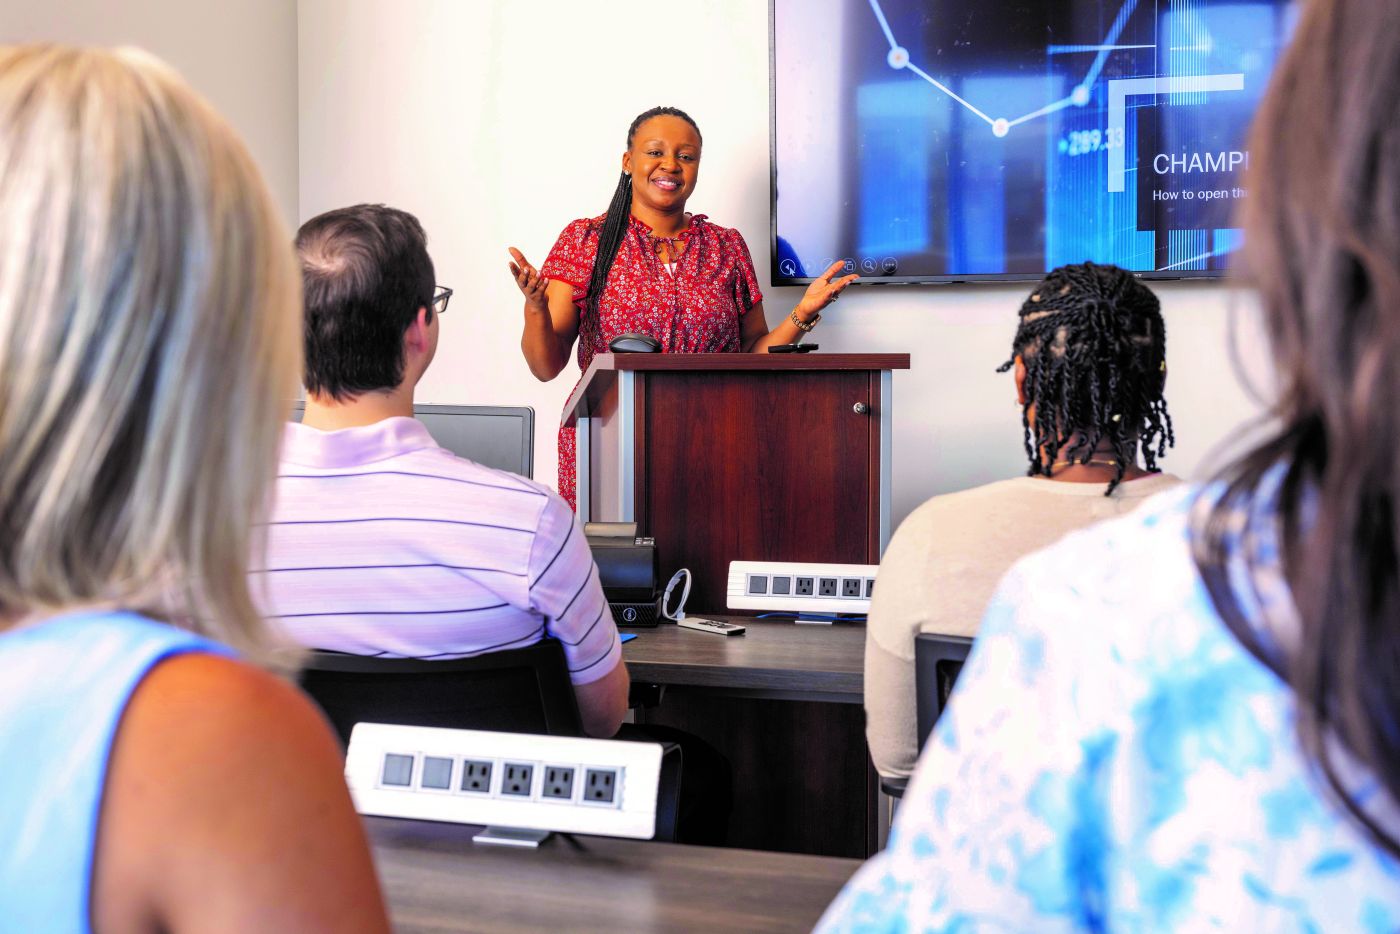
757	466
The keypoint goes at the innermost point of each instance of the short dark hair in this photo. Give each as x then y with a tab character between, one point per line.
365	272
1095	350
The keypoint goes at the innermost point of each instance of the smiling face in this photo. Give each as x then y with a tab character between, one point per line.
665	162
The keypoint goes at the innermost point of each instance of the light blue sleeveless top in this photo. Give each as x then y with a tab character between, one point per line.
64	685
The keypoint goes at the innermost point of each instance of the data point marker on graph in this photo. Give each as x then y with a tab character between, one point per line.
898	58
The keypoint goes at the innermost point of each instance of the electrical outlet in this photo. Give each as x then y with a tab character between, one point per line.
476	776
800	587
600	786
516	779
558	782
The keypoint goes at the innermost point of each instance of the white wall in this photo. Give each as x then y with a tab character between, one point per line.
498	121
240	54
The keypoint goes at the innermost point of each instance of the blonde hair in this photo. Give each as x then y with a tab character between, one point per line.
149	337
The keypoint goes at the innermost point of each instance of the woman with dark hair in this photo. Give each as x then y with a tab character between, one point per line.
1187	718
648	266
1090	365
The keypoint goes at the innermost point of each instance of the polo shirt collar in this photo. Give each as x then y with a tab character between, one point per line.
349	447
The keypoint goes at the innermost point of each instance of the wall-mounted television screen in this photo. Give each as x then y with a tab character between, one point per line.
953	140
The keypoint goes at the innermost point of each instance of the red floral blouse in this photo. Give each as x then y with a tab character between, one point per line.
693	307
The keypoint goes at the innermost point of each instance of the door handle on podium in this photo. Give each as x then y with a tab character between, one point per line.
862	409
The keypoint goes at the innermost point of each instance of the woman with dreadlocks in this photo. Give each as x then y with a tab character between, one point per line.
648	266
1090	363
1188	718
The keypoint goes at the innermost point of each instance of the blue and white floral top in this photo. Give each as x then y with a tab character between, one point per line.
1114	760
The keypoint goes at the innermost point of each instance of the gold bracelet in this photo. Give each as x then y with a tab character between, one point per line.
807	326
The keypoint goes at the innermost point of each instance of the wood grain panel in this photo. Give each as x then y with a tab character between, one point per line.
803	782
772	655
756	466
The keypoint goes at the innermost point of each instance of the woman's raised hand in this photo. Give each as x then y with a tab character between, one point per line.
823	291
529	280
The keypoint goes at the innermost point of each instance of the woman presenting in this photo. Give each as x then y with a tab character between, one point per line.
649	267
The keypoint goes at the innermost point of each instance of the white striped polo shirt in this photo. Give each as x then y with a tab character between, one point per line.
383	543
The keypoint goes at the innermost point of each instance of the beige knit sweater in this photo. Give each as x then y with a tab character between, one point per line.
940	571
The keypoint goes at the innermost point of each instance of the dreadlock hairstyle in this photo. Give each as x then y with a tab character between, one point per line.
615	222
1094	347
1322	249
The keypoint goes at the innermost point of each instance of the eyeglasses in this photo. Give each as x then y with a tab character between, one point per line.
440	298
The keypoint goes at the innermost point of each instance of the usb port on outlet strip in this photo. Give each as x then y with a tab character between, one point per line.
436	774
397	771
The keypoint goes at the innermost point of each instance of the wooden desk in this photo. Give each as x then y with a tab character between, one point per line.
436	879
778	659
784	703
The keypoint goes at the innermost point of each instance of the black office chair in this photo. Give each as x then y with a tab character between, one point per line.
516	691
938	661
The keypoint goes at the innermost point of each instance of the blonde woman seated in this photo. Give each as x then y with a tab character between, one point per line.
155	778
1090	363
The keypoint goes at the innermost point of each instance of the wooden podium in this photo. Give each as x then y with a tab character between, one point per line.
754	457
750	457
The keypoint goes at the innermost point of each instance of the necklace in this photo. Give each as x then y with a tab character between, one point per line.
667	249
1089	463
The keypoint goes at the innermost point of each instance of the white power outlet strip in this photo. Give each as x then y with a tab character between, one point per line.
801	588
560	783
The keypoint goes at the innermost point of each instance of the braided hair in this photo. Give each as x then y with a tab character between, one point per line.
615	222
1094	346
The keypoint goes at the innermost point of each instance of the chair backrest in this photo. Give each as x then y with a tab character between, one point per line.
516	691
499	436
937	662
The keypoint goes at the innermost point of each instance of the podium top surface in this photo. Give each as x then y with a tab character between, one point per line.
749	361
605	366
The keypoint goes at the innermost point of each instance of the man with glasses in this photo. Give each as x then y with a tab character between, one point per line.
381	542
